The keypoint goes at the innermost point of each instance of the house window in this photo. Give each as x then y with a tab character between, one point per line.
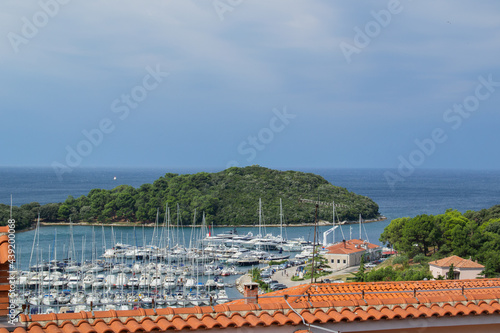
338	261
345	261
332	261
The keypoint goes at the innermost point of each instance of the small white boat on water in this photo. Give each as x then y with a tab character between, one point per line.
92	299
133	282
78	298
121	280
169	282
88	281
156	281
222	296
144	280
99	281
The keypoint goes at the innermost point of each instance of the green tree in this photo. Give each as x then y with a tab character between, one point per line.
393	233
360	275
451	273
64	212
255	273
50	212
417	232
448	221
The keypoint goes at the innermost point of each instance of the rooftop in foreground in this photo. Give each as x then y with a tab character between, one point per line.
344	307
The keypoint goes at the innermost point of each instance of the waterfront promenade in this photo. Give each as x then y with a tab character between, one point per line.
284	276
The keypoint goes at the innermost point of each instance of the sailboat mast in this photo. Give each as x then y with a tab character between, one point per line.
55	246
360	227
34	240
333	221
281	221
103	239
260	217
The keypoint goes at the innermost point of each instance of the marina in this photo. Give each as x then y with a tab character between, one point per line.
75	268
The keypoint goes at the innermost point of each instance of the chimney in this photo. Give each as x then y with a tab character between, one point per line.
344	244
250	292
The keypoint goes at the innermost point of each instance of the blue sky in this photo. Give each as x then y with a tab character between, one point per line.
286	84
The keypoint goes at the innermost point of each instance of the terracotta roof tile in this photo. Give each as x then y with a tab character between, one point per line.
149	325
457	262
133	326
67	327
118	327
4	249
179	324
253	320
363	314
350	246
239	320
294	318
373	313
282	319
194	323
53	328
475	309
19	330
495	305
102	327
36	329
211	322
325	303
161	324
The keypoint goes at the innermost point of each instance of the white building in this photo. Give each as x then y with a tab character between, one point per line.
463	268
349	253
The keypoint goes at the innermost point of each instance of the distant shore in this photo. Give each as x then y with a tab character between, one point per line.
132	224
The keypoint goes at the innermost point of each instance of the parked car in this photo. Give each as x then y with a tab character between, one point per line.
265	274
272	283
278	286
267	280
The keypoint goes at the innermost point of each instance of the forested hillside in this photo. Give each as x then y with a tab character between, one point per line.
229	197
473	234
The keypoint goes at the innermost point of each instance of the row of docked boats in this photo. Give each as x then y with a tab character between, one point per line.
153	279
164	272
54	300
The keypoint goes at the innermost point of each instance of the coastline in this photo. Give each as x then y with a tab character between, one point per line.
132	224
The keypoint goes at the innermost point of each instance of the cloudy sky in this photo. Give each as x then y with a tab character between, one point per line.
282	83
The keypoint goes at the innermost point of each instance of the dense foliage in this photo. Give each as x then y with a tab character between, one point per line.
24	215
412	273
229	197
396	269
473	234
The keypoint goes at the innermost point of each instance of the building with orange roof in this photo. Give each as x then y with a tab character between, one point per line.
349	253
462	268
406	306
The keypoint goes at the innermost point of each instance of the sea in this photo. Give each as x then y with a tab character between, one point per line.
423	192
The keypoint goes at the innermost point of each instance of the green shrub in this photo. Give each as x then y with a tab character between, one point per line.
421	258
400	260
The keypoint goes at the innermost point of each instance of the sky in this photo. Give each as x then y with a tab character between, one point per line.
217	83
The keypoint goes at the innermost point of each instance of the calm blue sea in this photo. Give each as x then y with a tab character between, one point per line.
425	192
